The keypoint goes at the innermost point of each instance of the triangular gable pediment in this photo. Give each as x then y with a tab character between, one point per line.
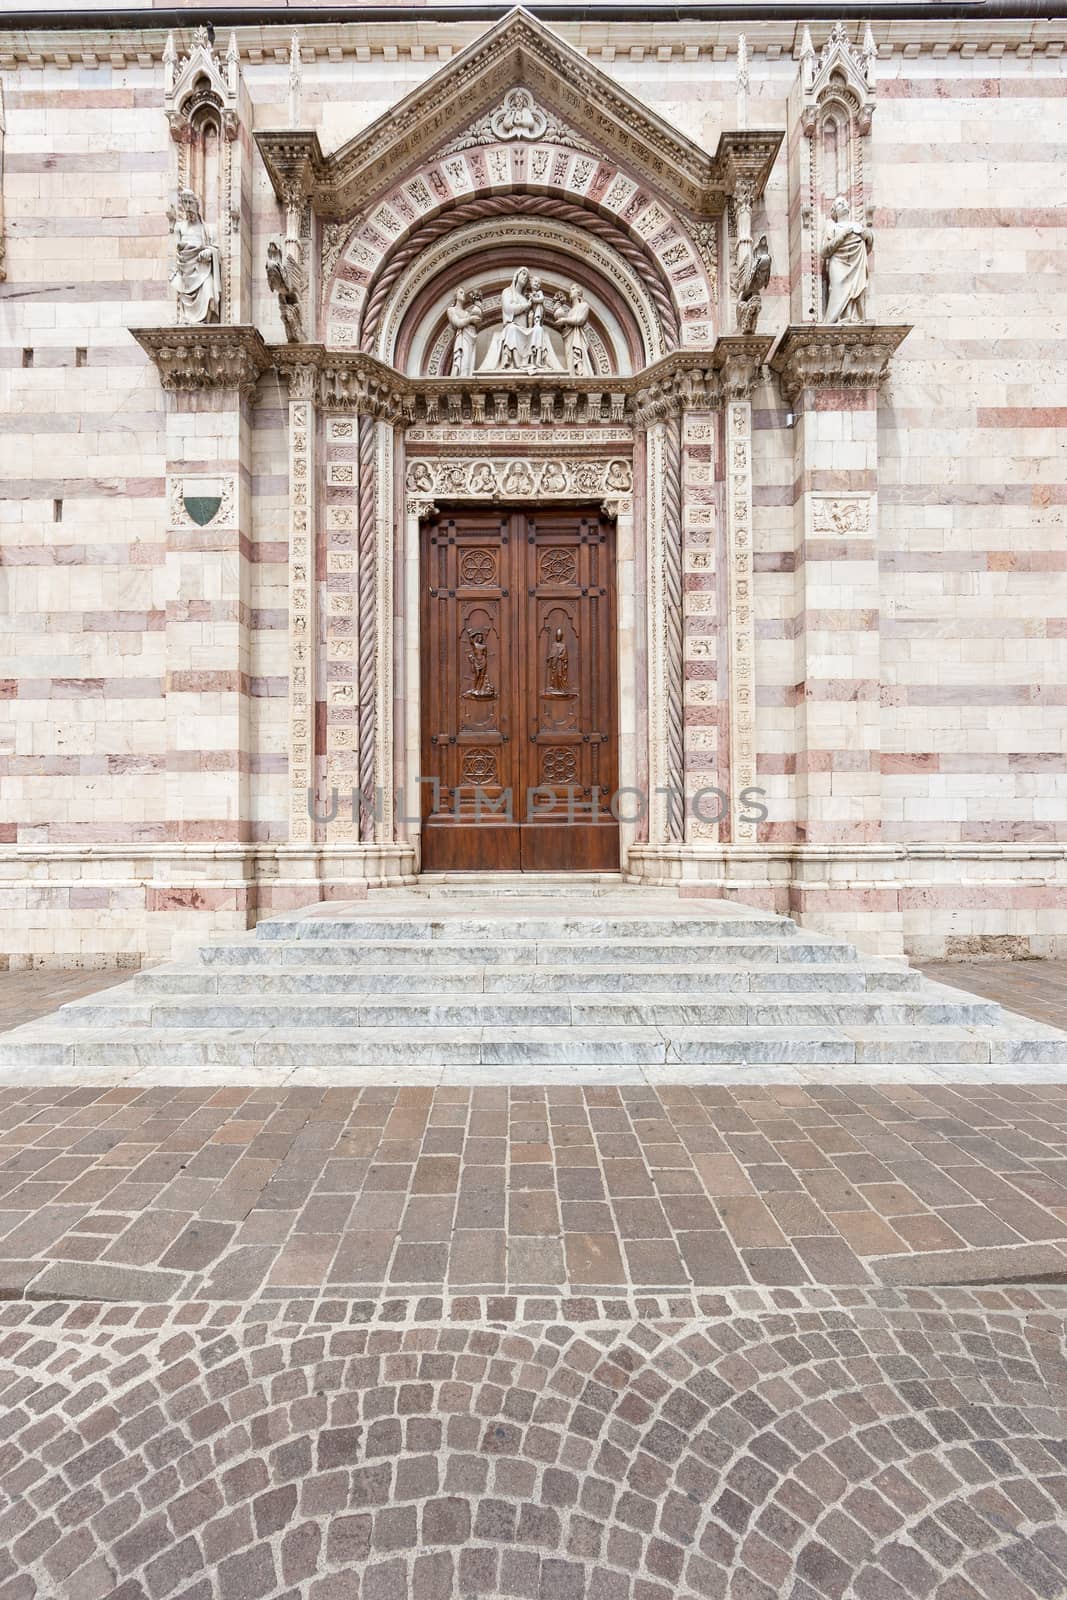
517	52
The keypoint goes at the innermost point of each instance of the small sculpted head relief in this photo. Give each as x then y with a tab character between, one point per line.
519	117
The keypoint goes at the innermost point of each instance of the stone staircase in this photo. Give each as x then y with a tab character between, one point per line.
477	982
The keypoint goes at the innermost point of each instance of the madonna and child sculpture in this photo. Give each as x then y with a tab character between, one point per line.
534	334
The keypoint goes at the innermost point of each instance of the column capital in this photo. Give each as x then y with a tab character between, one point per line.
842	356
208	357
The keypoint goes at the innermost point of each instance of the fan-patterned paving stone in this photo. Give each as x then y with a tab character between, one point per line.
877	1444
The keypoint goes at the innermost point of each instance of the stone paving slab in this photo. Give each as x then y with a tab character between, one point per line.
811	1444
1036	989
169	1194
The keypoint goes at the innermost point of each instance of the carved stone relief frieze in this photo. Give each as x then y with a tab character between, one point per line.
701	635
472	441
519	117
302	629
517	478
739	566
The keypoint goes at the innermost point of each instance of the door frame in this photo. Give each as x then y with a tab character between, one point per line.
630	646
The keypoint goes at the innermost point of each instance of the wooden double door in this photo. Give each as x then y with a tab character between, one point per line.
519	723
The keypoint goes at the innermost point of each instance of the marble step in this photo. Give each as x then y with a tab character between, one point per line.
587	928
329	1054
368	980
250	952
927	1005
517	885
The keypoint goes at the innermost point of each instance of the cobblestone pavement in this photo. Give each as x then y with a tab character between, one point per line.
877	1444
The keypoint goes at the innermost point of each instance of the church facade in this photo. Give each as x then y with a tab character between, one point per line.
446	446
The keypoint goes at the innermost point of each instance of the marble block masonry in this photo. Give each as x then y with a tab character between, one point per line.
783	306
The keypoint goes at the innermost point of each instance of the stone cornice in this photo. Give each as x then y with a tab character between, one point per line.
814	355
518	50
341	380
73	41
231	357
685	379
294	161
747	156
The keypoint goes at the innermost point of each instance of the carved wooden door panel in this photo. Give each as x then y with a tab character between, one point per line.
469	692
568	763
518	692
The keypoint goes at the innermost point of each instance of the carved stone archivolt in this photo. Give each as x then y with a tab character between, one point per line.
557	130
518	223
518	478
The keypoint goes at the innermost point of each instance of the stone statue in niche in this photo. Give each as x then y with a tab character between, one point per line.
464	315
198	265
571	315
844	252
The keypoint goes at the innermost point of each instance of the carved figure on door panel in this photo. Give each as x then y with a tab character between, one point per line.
557	669
478	660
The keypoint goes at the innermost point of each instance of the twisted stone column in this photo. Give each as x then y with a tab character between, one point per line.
673	626
367	558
